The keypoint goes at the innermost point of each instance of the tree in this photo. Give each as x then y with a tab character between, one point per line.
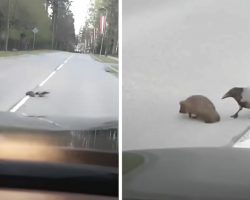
92	26
63	31
7	27
23	17
112	28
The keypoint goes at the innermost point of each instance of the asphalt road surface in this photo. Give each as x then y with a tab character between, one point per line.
173	49
79	86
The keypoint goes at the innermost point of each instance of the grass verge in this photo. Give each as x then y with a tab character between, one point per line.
112	70
112	65
17	53
104	59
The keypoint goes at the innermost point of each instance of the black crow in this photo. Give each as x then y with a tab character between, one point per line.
42	94
241	96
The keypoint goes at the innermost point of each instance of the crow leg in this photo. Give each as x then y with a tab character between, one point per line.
236	114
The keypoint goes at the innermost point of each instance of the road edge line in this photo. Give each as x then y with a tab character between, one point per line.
20	103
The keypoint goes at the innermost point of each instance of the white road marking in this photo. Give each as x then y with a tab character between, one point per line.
42	83
26	98
53	73
19	104
60	66
243	139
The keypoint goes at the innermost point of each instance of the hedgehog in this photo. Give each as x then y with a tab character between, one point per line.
199	106
30	93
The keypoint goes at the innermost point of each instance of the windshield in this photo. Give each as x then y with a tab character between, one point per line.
59	77
59	69
59	74
174	51
186	99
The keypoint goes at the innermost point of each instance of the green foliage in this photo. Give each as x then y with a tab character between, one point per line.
24	16
63	25
93	23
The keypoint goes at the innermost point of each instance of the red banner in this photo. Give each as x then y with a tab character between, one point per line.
102	24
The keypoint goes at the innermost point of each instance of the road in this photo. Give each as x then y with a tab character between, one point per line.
79	87
174	49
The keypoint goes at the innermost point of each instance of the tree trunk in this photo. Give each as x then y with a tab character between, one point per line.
47	6
115	43
8	27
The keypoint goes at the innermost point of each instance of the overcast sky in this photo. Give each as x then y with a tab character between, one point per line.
80	11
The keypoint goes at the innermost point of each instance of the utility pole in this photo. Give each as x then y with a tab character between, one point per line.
53	33
104	30
34	39
54	21
7	27
35	31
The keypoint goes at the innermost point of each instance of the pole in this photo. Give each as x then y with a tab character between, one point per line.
101	44
54	20
8	27
34	38
104	31
53	32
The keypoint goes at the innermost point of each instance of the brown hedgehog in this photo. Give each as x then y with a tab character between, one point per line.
198	106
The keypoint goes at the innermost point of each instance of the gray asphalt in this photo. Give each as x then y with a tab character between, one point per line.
174	49
81	88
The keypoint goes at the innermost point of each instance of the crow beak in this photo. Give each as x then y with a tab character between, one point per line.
225	96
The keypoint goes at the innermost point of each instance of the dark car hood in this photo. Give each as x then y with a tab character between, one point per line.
187	173
54	122
98	134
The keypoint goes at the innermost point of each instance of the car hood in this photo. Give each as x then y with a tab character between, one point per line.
98	134
187	173
21	120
